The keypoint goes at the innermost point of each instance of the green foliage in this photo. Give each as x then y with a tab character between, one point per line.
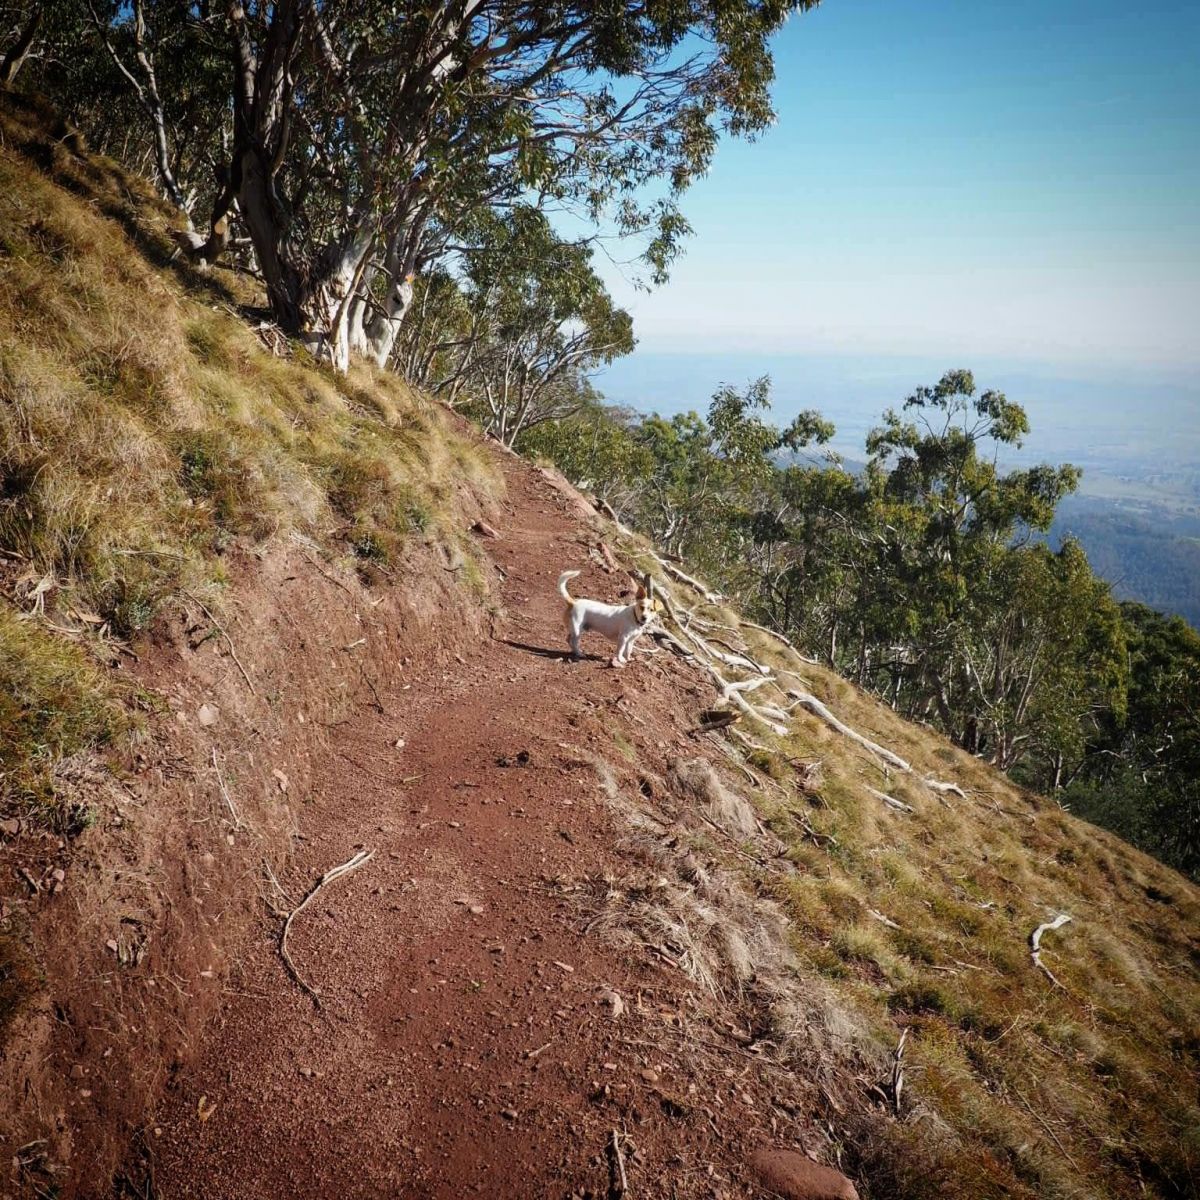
513	341
921	581
356	146
1139	774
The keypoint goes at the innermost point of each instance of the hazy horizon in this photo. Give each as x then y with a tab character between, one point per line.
1144	423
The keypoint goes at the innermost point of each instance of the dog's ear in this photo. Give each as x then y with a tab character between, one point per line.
640	580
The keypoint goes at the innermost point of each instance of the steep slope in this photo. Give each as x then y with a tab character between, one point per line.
253	627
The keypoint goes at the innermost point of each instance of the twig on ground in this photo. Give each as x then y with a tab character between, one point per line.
810	832
233	812
279	891
378	705
312	562
618	1184
360	859
1035	944
1047	1127
228	640
882	919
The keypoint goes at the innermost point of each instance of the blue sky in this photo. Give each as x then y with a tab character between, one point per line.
956	180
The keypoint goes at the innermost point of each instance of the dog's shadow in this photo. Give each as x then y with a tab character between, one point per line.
545	652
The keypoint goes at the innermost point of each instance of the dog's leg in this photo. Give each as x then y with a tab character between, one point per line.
624	649
574	630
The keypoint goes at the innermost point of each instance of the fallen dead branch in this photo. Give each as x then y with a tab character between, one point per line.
228	640
334	873
891	801
1035	944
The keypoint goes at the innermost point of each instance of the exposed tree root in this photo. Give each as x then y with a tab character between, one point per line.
809	701
683	577
692	644
1035	944
779	638
360	859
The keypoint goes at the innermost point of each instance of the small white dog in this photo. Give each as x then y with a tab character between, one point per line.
620	623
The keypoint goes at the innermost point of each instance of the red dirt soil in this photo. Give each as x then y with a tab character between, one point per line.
463	1044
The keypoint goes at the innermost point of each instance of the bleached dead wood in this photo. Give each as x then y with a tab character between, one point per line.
360	859
937	785
808	701
891	801
1035	944
682	621
733	692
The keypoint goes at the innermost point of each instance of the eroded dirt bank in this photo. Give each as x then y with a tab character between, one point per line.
130	930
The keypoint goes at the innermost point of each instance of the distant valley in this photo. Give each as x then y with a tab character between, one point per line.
1149	552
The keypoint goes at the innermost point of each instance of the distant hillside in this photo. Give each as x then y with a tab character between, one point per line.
1147	552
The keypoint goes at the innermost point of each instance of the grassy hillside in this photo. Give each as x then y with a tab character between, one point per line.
147	433
911	907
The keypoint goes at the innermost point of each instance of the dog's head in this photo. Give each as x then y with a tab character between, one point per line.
645	602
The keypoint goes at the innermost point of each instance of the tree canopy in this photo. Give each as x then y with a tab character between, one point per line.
362	139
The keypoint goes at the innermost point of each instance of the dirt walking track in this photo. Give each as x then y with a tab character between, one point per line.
466	1043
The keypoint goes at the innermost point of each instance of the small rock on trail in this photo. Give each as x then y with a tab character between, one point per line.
793	1176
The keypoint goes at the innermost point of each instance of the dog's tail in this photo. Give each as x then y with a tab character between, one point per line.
562	585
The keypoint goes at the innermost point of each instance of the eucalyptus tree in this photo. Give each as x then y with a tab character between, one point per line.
358	128
948	514
18	38
539	321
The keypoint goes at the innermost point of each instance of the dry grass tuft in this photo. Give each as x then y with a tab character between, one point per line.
695	779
